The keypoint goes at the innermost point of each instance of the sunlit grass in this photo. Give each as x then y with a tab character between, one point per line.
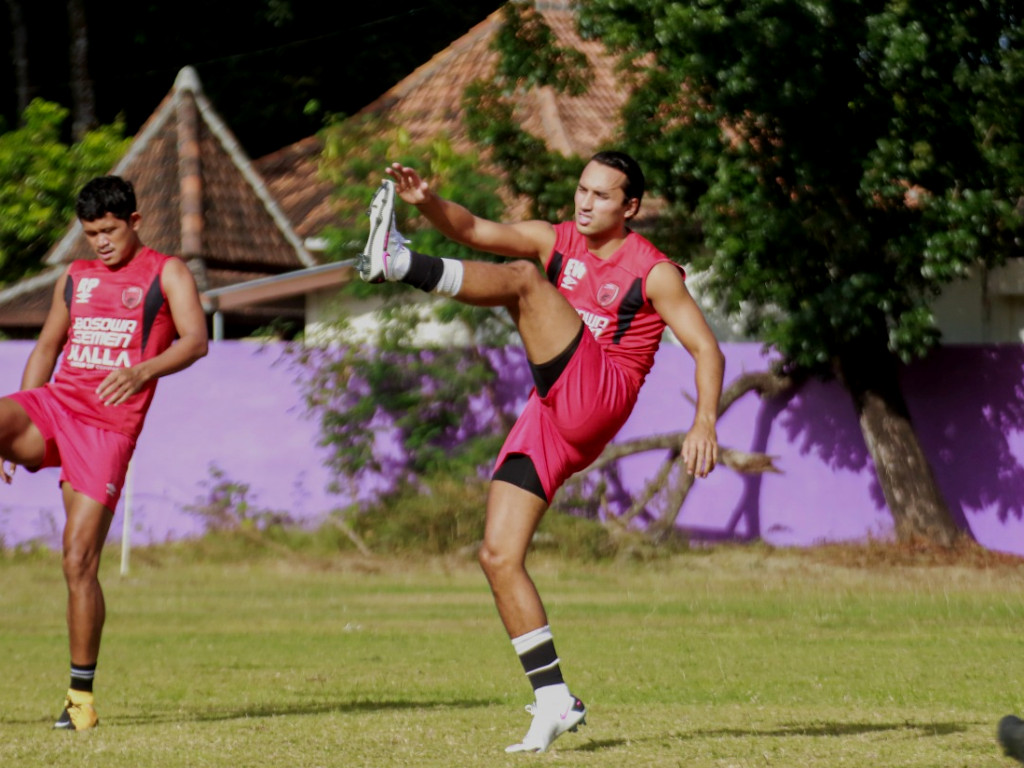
727	657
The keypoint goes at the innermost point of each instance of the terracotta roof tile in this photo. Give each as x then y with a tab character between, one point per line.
293	178
429	101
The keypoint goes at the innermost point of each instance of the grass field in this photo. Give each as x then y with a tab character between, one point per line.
726	657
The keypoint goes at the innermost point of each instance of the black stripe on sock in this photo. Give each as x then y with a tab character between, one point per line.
425	272
82	677
541	665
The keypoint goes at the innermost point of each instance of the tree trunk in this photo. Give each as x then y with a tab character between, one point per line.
19	55
83	113
918	508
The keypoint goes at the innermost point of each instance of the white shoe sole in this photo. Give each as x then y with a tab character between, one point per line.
372	262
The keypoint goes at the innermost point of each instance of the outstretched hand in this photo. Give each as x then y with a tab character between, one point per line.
408	184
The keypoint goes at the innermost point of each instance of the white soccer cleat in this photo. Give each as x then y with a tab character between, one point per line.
373	263
550	723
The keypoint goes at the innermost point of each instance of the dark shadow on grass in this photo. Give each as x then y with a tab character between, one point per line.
835	729
597	744
796	729
286	710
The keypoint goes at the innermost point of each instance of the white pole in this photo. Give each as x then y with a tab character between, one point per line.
126	526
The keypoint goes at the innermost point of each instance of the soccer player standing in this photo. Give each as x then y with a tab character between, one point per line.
114	318
591	318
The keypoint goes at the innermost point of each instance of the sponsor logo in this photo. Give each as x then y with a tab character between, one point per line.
131	296
574	271
97	357
84	289
111	489
101	342
607	293
596	323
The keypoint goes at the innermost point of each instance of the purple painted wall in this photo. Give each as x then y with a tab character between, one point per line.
240	410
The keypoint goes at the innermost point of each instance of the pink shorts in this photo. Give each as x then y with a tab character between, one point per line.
93	461
567	429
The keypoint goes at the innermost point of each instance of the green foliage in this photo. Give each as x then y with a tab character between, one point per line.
843	161
356	152
227	506
530	58
40	177
423	396
438	405
442	514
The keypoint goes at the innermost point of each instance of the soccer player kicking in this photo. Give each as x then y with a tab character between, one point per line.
590	299
115	318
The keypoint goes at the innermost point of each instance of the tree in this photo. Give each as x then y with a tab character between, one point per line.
19	54
843	161
40	177
83	100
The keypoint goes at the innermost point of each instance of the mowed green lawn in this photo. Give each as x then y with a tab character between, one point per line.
727	657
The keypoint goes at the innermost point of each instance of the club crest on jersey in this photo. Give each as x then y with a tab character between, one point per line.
84	289
607	293
131	296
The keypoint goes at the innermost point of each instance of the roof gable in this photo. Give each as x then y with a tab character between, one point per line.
199	195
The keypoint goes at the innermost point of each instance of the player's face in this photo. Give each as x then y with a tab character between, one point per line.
113	240
601	204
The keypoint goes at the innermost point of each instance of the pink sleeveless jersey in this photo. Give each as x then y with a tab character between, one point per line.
611	295
119	318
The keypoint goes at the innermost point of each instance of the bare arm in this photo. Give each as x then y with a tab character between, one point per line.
43	358
673	302
189	321
522	240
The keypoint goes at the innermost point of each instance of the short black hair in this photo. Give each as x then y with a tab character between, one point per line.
106	194
620	161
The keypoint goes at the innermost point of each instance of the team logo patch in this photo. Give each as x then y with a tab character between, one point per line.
607	293
131	296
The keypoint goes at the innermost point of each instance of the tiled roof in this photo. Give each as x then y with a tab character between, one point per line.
198	193
428	102
293	178
25	304
199	197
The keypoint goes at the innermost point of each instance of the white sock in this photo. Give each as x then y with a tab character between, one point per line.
531	639
451	280
552	695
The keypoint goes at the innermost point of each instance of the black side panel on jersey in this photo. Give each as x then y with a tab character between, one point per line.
69	291
154	301
554	267
631	304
